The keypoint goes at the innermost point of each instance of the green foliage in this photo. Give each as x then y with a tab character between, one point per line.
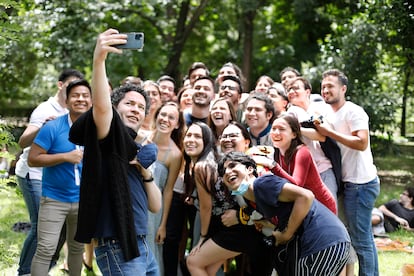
371	41
9	29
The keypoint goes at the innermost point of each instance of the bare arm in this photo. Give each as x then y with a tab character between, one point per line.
38	157
357	141
101	100
302	199
401	221
173	171
312	134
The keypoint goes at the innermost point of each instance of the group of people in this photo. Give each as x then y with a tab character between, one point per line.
138	172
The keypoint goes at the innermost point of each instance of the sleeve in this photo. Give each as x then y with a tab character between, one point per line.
302	161
357	119
45	137
279	171
267	189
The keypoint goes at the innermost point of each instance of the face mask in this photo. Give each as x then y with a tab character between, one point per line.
244	186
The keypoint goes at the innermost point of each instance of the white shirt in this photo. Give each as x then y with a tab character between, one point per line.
357	166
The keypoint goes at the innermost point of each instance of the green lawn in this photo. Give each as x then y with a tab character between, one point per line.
395	172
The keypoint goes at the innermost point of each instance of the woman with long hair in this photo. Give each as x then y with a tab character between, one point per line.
293	160
167	135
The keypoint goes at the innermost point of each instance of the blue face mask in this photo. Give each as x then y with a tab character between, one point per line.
242	189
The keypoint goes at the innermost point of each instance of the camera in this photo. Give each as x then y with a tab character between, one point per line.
135	41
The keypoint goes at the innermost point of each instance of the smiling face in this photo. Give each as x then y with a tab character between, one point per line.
203	92
131	109
333	92
167	90
186	100
234	174
297	94
79	100
282	134
167	119
220	114
231	90
193	141
232	140
154	94
257	118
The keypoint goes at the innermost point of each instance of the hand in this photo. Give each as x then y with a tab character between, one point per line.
402	222
146	173
189	200
161	234
198	246
75	156
229	218
105	42
262	160
323	128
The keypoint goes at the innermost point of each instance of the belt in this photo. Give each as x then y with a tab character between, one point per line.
112	240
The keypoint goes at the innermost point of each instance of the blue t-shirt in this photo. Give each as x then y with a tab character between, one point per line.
58	181
321	227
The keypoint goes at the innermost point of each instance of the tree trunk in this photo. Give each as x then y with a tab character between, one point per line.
182	32
404	102
248	28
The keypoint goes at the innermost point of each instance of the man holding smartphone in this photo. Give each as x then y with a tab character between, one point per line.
116	190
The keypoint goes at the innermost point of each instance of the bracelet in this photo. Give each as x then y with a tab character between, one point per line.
148	180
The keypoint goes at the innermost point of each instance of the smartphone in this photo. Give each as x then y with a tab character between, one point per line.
135	41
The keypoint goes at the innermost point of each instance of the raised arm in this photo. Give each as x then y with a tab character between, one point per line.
101	99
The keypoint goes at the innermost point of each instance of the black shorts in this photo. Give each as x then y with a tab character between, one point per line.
237	238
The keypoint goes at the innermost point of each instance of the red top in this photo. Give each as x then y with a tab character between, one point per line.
302	171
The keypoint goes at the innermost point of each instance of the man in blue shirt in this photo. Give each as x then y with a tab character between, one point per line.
62	162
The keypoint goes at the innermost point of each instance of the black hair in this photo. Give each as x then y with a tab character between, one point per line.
70	73
268	103
239	157
235	79
166	78
410	191
119	94
75	83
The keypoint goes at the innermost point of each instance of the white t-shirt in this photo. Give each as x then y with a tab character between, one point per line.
357	166
38	117
315	109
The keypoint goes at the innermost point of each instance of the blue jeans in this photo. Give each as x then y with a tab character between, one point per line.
359	200
111	261
31	190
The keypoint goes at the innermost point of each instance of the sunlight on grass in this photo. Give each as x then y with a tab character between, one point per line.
395	173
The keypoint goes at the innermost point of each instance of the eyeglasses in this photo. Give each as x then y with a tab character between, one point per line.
293	89
231	136
231	88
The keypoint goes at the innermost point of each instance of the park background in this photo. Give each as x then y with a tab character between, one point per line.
372	41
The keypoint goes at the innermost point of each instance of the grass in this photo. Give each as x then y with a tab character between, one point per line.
395	173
